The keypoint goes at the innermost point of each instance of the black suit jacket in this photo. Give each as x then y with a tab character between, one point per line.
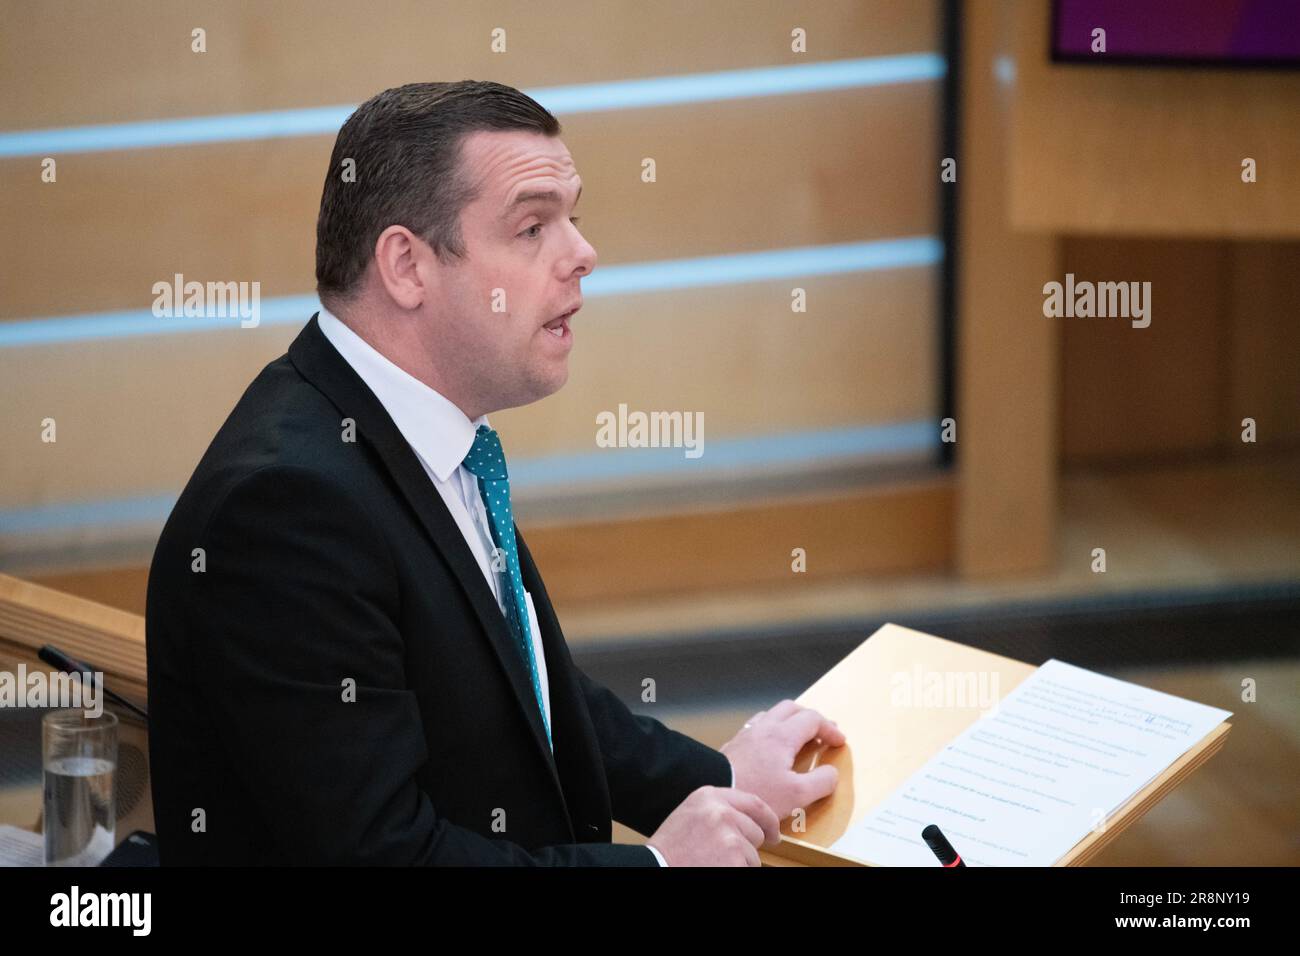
297	564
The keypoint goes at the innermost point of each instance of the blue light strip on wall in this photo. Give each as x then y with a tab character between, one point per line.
721	455
762	266
131	323
741	84
145	510
728	455
561	100
626	279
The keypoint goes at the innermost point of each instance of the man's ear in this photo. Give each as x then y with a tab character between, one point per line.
398	255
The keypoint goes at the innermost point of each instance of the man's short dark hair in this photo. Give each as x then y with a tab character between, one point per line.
405	146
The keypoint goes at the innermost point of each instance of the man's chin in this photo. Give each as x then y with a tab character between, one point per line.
540	387
554	385
562	379
552	378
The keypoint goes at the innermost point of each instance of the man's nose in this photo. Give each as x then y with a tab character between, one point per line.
586	257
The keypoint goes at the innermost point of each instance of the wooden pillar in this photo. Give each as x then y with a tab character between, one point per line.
1007	351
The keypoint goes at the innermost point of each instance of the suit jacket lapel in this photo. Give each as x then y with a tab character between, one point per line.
320	363
580	760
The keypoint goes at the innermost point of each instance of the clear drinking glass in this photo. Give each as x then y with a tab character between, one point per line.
79	759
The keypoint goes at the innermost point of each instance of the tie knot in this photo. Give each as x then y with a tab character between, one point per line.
486	460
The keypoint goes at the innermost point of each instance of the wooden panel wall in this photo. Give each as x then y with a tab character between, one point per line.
134	415
1139	169
1264	342
1140	151
132	61
741	175
1223	345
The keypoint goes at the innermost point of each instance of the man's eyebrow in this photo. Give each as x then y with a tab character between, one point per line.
537	195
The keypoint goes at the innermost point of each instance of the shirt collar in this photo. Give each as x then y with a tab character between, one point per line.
434	426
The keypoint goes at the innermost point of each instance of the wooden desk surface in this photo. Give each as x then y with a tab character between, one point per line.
887	745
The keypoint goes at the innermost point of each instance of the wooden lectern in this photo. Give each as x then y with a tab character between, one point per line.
886	744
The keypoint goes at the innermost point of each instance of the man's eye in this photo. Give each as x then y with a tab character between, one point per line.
532	235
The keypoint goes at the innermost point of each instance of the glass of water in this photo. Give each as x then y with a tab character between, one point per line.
79	757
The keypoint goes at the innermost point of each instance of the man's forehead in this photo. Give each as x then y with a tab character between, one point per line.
510	161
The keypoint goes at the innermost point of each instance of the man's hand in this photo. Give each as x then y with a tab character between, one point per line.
762	756
716	826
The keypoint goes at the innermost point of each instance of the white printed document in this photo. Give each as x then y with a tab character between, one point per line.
1031	778
19	847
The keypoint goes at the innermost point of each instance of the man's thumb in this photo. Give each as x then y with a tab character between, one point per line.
822	780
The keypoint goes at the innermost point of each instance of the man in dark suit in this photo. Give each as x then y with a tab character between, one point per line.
352	657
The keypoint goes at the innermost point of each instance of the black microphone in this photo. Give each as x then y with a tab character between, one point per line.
937	842
56	658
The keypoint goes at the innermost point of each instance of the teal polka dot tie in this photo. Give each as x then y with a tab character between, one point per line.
487	462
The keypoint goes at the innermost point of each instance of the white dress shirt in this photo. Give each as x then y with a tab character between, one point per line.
441	436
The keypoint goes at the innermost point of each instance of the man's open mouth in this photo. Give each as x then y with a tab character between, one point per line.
559	326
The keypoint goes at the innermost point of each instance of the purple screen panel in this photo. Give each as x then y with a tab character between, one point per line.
1235	31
